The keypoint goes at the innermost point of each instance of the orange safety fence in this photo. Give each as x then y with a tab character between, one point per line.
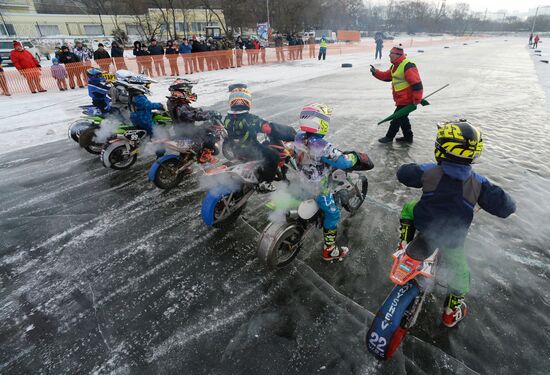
16	82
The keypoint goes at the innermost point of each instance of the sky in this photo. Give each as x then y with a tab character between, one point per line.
497	5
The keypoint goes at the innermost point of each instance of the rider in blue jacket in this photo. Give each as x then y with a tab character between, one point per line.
141	107
450	191
98	90
316	158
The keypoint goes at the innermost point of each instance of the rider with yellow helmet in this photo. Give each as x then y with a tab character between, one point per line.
442	216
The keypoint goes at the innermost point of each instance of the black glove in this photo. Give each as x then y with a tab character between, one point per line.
215	115
372	69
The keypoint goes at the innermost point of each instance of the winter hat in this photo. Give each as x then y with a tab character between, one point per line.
64	48
397	50
100	45
55	60
17	44
240	99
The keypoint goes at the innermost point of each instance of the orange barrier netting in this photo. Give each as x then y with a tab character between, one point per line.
176	65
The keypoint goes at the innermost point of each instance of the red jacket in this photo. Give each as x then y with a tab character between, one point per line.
413	93
23	59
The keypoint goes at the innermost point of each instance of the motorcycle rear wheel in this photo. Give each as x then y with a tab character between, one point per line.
279	244
86	140
118	157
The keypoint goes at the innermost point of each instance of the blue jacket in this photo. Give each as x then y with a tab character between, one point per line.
185	48
450	192
141	115
99	91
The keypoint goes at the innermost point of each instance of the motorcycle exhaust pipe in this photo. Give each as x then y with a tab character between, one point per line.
292	215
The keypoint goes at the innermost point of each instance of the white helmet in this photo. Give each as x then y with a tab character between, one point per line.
123	74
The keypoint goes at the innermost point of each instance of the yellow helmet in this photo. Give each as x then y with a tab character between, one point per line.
458	142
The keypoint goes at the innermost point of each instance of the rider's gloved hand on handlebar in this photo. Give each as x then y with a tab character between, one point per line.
341	163
215	115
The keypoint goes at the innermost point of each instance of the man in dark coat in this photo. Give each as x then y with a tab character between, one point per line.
158	56
72	64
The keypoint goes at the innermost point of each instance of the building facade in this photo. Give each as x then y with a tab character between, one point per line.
20	21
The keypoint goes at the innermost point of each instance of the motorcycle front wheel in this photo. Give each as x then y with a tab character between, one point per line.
279	244
358	196
118	156
221	210
167	176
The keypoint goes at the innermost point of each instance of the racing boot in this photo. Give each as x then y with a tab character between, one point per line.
455	310
266	187
207	157
332	251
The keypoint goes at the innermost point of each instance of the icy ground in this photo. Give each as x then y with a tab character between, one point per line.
100	272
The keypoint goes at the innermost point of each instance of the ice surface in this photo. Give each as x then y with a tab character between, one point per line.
116	276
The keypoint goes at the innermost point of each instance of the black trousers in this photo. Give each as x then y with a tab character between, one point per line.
269	156
402	123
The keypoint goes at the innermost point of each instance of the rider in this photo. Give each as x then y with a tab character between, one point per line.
98	89
140	106
445	211
315	159
119	93
242	129
179	107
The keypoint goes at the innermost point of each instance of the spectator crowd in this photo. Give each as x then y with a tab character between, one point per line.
153	58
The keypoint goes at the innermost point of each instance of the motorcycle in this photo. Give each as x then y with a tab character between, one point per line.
232	185
281	241
121	150
91	120
414	280
169	170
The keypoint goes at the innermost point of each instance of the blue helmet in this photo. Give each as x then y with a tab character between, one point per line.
94	72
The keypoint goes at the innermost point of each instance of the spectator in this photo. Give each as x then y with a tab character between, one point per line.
117	53
323	47
137	52
239	46
300	47
59	73
530	38
279	47
185	51
71	62
249	50
172	56
146	61
291	46
102	58
379	44
256	45
195	48
158	56
536	41
3	83
311	43
57	51
203	47
84	56
28	66
263	45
